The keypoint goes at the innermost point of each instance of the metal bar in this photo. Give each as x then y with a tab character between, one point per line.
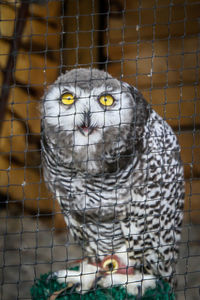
103	10
8	73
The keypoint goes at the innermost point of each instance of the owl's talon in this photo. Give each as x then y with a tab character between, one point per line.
139	295
51	276
97	279
160	284
73	287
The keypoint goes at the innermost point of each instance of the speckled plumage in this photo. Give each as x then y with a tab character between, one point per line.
120	184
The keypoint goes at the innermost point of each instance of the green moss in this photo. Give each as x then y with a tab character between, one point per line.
44	288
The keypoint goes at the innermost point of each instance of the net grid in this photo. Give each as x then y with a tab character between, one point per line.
152	45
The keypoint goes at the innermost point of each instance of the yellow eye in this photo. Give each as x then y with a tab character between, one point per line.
110	265
68	99
106	100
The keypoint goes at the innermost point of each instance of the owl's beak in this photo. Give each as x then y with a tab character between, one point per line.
86	128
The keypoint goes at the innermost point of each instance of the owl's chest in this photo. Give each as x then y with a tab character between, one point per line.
97	197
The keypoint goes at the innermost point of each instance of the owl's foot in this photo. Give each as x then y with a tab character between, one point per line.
110	272
135	284
84	279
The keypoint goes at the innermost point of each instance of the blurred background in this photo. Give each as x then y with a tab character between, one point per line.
152	44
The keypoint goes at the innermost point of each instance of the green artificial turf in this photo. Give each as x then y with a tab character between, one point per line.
44	288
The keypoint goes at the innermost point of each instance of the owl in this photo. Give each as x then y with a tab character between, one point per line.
114	166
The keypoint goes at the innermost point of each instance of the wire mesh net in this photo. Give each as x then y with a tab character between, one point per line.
152	45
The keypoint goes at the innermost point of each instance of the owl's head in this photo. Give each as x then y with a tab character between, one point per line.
92	112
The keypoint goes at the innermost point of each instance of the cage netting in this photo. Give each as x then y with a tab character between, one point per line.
152	45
